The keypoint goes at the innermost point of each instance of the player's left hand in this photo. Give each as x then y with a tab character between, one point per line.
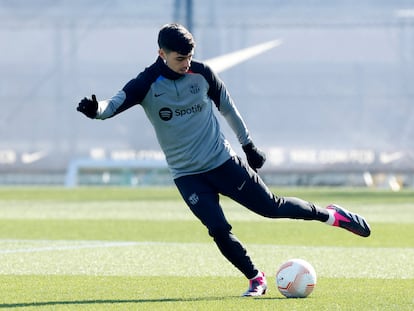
255	157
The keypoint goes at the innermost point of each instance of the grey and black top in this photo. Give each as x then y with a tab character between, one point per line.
180	107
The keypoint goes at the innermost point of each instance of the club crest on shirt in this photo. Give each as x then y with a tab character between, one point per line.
193	199
194	88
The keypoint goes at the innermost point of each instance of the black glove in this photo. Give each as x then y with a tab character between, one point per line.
255	157
88	107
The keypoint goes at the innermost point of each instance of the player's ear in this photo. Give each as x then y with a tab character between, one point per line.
162	54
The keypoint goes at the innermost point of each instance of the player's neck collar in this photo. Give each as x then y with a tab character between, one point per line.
166	71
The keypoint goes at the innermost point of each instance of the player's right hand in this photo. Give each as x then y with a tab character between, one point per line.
88	107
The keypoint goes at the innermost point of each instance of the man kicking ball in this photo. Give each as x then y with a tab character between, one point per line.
179	95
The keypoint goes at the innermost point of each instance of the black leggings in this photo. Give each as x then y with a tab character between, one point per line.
238	181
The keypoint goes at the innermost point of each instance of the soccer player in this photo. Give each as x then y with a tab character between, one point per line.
179	95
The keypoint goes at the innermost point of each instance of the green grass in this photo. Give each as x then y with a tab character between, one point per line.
141	249
172	293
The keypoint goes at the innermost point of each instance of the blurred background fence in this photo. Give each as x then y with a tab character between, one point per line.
332	105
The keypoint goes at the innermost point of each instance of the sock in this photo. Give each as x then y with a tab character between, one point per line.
331	219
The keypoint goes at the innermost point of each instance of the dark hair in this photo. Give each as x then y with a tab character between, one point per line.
176	38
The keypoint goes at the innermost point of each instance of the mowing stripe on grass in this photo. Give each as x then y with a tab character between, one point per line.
44	257
173	210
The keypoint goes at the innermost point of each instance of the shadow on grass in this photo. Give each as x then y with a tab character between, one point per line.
107	301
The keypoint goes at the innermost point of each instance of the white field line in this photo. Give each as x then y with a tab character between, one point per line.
59	245
63	245
80	245
128	258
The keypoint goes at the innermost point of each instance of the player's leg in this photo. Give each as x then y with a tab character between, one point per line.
239	182
242	184
203	201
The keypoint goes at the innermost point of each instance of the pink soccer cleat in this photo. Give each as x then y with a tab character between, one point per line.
349	221
257	286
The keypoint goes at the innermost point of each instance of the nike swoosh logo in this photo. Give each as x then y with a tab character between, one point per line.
241	186
158	94
28	158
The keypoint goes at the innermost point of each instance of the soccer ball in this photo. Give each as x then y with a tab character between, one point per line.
296	278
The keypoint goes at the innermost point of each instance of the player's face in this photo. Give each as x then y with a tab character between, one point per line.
177	62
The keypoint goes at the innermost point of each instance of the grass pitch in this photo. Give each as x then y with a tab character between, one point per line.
142	249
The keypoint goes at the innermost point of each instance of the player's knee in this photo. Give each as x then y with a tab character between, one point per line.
220	233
